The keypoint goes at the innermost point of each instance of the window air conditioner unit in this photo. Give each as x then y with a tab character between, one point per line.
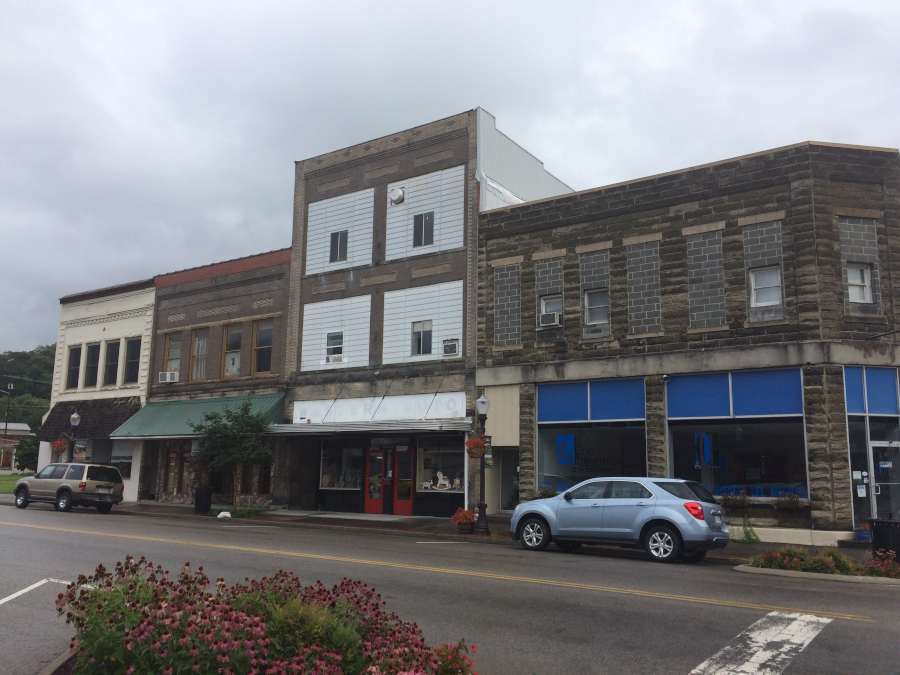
451	347
551	319
168	376
334	358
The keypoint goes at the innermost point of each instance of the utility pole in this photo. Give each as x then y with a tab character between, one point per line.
8	393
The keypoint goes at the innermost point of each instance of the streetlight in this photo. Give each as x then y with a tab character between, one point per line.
74	420
481	525
8	393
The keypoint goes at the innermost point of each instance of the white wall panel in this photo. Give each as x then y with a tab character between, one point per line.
355	213
348	315
442	304
442	192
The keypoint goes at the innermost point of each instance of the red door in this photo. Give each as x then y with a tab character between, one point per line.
374	470
403	482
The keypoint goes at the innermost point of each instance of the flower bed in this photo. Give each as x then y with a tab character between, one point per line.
799	559
139	619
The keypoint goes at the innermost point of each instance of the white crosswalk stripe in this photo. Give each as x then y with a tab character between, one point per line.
766	648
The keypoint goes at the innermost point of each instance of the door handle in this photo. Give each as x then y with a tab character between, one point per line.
877	489
641	504
596	506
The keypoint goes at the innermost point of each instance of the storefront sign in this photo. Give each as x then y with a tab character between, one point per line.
448	405
565	449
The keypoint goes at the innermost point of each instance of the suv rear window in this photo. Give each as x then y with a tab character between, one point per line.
76	472
688	491
702	493
104	474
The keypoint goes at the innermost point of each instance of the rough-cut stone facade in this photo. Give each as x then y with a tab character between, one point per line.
706	275
507	306
548	280
594	270
644	308
859	244
781	208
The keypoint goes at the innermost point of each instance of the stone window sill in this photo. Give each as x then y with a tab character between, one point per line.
863	318
549	343
598	338
709	329
507	348
641	336
766	322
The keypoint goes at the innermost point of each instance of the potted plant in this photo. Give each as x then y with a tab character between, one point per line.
464	519
475	446
864	533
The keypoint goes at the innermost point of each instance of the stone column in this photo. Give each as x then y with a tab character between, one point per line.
655	391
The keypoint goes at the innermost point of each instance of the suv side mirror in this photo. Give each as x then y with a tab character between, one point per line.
568	496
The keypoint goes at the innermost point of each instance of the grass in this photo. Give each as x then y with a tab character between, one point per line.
7	483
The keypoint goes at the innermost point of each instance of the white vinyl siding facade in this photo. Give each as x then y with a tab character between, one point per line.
349	316
442	304
441	192
353	213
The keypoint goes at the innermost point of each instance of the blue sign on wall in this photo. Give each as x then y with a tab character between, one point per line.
565	449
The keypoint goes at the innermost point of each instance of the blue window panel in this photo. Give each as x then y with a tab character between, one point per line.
767	392
617	400
698	395
881	391
562	402
853	390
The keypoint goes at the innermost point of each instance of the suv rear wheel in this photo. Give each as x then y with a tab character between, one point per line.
63	501
535	534
663	544
22	498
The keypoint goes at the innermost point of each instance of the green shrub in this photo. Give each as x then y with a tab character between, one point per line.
828	562
748	535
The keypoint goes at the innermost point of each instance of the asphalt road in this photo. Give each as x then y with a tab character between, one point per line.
529	613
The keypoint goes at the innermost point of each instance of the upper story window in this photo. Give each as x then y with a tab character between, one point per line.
552	304
111	371
199	350
132	360
337	333
859	283
334	347
92	365
421	338
423	229
596	307
262	347
74	370
232	352
338	246
765	287
173	353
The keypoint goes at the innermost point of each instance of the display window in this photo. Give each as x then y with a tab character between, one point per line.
571	453
121	459
342	465
755	457
440	464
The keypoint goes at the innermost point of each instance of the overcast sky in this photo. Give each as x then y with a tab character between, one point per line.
144	137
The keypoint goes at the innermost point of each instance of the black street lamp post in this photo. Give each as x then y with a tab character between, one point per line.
74	420
481	525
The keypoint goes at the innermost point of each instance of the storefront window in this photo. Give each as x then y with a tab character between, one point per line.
121	459
342	467
441	464
569	454
758	457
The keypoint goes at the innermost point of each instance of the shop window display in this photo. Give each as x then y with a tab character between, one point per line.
342	467
440	464
121	459
569	454
756	457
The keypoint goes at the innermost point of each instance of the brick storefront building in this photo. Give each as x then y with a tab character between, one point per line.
724	323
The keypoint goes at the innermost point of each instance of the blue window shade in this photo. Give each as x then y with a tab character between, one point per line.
881	391
853	390
562	402
617	400
698	396
767	392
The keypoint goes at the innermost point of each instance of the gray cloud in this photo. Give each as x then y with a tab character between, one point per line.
139	138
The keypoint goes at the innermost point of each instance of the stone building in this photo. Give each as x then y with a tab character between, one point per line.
730	323
219	341
380	355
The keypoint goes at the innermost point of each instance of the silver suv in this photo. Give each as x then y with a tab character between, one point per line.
671	519
68	485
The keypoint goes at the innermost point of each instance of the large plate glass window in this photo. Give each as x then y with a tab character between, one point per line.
111	372
338	246
232	367
342	465
596	307
92	365
262	348
173	353
199	350
765	287
859	283
421	338
441	464
132	360
423	229
74	368
121	458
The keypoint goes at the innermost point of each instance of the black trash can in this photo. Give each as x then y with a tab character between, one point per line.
885	536
202	500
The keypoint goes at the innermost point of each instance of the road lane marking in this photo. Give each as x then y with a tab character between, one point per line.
37	585
442	542
767	647
457	572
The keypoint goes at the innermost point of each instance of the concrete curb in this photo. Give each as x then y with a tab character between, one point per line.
57	663
820	577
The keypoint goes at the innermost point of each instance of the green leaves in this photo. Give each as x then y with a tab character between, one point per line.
233	438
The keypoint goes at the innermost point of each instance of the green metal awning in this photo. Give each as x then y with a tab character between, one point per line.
171	419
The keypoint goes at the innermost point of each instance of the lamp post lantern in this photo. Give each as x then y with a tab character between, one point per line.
481	525
74	420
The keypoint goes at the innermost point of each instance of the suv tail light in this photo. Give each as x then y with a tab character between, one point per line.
694	509
81	487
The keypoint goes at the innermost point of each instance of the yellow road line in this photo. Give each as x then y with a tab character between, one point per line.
465	573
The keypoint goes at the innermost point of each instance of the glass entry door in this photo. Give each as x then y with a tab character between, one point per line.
374	498
886	479
403	466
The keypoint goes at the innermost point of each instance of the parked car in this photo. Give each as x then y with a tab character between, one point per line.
68	485
671	519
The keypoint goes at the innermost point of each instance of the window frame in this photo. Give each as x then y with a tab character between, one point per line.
168	346
329	347
427	228
334	254
866	269
77	367
137	377
226	351
419	343
257	348
587	307
87	365
107	366
205	356
754	303
551	296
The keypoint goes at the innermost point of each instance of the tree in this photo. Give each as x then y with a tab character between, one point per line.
30	372
25	408
27	454
232	439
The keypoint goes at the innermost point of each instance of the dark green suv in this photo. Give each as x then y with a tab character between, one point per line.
68	485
